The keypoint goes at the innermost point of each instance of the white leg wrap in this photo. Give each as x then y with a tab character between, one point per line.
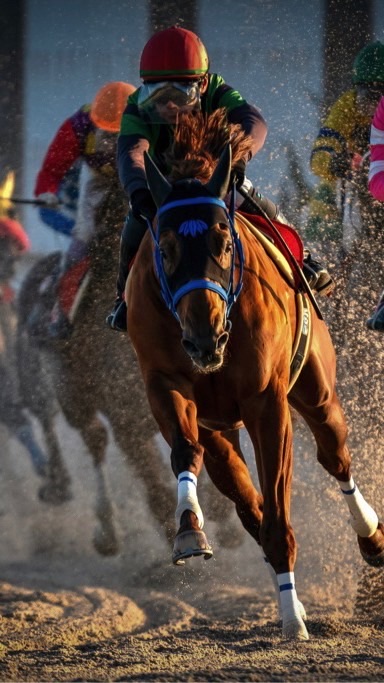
187	498
363	518
291	610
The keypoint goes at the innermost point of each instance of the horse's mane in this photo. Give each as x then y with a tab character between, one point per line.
198	142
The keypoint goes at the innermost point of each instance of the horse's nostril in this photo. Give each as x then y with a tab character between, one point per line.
190	348
222	341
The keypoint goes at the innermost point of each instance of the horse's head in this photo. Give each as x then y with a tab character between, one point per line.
194	249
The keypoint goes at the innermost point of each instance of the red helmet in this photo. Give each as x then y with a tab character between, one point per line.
173	54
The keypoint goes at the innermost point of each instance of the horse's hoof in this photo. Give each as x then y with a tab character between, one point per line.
54	495
105	546
190	544
295	630
373	560
372	548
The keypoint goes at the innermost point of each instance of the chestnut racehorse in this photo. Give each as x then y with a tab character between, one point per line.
213	322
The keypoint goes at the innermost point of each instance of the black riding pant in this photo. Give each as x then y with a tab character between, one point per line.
133	232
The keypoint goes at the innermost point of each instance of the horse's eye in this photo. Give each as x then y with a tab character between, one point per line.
228	247
163	254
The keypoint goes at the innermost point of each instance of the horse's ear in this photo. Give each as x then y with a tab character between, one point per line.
159	186
218	183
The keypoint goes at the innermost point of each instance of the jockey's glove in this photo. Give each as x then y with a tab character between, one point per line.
143	205
50	199
238	173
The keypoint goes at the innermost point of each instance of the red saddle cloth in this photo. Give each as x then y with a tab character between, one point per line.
287	235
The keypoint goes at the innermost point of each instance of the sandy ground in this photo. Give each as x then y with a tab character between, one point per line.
67	614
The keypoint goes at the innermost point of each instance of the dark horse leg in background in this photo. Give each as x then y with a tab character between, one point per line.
37	392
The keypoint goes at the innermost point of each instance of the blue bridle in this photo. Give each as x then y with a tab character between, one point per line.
230	294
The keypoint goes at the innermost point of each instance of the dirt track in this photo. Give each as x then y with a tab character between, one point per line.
69	615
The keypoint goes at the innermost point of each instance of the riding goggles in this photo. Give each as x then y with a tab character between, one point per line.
154	96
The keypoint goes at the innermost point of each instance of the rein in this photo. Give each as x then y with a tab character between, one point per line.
228	295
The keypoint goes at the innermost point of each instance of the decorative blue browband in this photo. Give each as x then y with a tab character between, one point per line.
189	202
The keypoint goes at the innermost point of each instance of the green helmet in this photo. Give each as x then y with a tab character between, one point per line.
368	66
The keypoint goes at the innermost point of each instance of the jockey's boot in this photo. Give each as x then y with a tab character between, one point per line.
131	236
376	321
317	276
71	287
117	319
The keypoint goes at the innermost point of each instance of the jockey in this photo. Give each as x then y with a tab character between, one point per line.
174	68
343	138
87	137
376	187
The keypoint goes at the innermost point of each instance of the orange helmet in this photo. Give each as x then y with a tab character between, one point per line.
173	54
108	106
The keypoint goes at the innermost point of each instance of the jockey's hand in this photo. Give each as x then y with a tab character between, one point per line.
143	205
341	166
238	173
49	199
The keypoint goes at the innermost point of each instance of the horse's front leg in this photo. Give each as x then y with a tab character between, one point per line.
175	412
270	429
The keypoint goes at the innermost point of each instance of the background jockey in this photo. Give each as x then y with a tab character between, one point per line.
174	68
89	137
343	138
376	187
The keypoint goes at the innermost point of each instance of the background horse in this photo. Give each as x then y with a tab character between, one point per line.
13	244
91	377
232	371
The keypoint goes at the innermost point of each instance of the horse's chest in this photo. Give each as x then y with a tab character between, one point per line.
216	401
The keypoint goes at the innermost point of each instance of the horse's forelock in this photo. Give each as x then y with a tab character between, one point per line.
199	141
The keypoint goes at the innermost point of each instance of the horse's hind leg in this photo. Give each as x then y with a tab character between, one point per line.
146	458
228	471
82	416
315	398
38	395
57	488
95	436
231	534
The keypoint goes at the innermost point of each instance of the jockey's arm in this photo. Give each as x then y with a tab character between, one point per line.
253	124
130	162
239	111
67	146
376	167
